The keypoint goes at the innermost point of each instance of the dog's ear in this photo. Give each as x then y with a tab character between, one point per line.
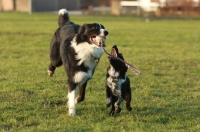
82	29
115	47
81	33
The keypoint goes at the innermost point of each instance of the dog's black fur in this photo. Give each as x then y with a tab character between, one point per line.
66	30
78	49
117	83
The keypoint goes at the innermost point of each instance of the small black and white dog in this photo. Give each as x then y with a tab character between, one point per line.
117	83
79	50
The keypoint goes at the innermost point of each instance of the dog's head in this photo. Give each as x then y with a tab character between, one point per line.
115	53
93	34
117	64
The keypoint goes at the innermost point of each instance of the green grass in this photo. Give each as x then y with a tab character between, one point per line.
165	98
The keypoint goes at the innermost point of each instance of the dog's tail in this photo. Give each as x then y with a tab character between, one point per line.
63	17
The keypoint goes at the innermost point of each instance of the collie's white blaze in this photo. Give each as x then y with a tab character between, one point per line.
62	12
71	103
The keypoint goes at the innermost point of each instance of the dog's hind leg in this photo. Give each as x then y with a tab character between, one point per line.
81	95
53	65
54	53
108	96
128	98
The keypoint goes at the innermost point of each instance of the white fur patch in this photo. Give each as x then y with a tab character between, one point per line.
102	32
112	72
115	84
62	12
82	77
87	53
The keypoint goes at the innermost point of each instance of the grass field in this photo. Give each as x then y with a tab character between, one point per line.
165	98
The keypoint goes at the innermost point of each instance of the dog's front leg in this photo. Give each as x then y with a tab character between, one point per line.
81	95
117	104
71	102
114	99
108	96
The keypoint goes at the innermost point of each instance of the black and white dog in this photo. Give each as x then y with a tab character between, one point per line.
117	83
79	49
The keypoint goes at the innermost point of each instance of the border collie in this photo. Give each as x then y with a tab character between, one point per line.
79	49
117	83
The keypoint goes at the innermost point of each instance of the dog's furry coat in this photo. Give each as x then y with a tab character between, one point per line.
78	49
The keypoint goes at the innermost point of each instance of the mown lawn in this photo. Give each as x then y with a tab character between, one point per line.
165	98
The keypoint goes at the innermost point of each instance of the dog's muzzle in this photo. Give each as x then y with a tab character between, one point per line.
99	40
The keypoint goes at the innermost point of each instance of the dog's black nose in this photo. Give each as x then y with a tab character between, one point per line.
105	32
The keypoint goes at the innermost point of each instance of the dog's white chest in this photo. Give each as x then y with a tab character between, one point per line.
114	82
112	72
88	55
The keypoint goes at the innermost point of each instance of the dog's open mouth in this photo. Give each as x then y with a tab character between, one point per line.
98	40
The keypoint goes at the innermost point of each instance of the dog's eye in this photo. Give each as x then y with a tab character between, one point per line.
93	36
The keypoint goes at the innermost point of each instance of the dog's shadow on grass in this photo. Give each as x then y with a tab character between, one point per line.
165	114
85	108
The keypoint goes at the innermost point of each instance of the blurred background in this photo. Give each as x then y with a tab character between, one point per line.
156	8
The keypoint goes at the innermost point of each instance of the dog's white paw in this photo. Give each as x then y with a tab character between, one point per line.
50	73
108	102
72	111
76	102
